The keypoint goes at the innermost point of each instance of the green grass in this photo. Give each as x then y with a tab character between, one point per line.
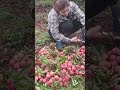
19	31
47	3
42	38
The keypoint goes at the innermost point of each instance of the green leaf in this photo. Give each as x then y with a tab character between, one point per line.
26	82
44	60
96	52
21	87
62	59
23	72
37	88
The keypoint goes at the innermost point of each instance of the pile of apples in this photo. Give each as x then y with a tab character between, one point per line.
20	60
63	77
81	51
111	60
65	71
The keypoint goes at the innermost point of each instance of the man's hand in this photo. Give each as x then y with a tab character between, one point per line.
75	39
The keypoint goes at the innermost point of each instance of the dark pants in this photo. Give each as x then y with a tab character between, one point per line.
68	27
93	7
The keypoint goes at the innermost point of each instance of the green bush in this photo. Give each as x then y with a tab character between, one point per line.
19	31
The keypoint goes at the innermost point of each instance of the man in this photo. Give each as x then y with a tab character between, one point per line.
64	19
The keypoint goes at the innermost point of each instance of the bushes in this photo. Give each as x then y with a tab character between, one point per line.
19	31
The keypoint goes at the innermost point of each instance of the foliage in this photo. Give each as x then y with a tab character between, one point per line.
20	31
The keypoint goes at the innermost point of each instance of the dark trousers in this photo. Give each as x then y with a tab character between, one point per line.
68	27
93	7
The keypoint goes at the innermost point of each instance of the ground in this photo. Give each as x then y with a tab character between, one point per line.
55	59
50	64
16	39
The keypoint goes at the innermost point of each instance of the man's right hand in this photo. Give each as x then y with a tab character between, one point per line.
75	39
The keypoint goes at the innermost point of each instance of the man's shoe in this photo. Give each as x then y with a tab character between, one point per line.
59	45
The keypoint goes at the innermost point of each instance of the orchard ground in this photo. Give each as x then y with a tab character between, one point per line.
56	69
57	63
51	63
